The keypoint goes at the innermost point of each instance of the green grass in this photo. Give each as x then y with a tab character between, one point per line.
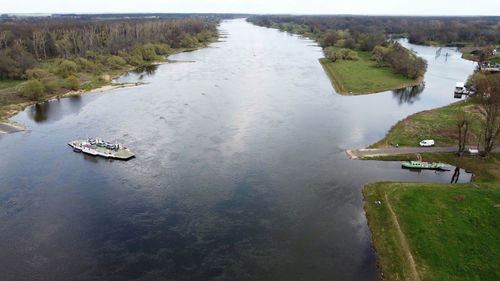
5	84
496	60
452	230
437	124
363	76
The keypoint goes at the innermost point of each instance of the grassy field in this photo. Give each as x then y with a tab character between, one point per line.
437	124
362	76
436	231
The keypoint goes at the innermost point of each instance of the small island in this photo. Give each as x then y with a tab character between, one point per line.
356	61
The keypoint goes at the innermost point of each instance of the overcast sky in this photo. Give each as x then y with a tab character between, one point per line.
360	7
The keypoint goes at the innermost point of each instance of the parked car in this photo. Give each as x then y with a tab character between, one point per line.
427	143
473	149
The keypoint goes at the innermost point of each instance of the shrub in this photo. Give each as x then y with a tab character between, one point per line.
162	49
352	55
67	68
187	41
34	90
50	84
136	57
116	62
83	64
72	82
148	52
37	73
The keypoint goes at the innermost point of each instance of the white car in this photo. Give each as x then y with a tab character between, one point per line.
473	150
427	143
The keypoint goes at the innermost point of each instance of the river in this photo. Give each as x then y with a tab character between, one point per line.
241	171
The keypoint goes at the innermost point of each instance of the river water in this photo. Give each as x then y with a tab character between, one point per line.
241	171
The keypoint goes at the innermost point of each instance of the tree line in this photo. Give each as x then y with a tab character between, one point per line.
342	37
24	43
451	31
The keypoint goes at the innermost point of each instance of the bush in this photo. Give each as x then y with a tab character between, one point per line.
50	84
162	49
187	41
34	90
72	82
83	64
116	62
37	73
136	57
352	55
67	68
148	52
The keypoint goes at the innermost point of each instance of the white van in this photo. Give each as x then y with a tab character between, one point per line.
427	143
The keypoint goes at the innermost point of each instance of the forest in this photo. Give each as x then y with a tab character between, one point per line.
24	43
342	38
449	31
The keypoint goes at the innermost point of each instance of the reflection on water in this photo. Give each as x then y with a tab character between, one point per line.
241	171
146	69
138	74
408	95
445	173
54	110
40	111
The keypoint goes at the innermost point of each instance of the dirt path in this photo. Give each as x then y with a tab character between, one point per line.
360	153
372	152
404	243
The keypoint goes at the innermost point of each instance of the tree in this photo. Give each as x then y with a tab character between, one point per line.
34	90
330	38
72	82
462	121
378	54
333	54
488	98
67	68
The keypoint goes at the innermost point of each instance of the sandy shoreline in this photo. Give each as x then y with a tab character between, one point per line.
10	126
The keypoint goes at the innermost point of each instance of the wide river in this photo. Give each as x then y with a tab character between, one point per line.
241	171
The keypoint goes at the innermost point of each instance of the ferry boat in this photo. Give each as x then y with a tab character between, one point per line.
423	165
99	147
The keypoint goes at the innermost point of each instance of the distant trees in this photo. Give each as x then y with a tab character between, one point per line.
419	30
400	59
25	42
342	36
14	61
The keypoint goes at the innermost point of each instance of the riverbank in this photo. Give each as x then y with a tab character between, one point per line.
438	124
362	77
13	102
10	126
409	226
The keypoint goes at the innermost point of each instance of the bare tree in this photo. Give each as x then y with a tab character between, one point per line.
488	96
462	122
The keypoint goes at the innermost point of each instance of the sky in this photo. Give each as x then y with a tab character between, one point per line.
357	7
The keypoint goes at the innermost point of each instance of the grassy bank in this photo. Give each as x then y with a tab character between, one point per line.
362	76
437	124
446	232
